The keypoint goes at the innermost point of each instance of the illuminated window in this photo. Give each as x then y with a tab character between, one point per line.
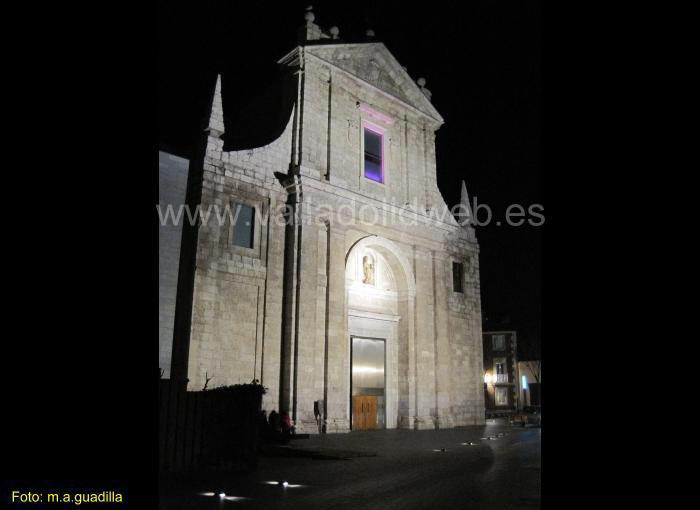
499	342
374	164
457	277
501	396
500	367
524	382
243	225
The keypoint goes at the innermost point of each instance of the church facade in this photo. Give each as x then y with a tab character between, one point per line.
340	281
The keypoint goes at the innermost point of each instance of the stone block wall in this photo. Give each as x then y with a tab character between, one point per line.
332	147
237	302
279	312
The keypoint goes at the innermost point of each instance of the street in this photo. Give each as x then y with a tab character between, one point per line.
387	469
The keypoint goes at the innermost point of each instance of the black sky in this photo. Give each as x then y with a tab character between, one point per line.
482	63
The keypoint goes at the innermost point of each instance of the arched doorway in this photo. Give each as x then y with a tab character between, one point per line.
380	298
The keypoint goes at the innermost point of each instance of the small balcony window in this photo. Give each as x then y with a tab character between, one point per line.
500	371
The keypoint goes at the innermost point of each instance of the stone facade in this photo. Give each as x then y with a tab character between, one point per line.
284	310
530	382
501	374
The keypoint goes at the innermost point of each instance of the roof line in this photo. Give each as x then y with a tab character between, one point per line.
439	119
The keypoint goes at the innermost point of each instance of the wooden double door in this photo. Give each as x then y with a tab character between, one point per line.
364	413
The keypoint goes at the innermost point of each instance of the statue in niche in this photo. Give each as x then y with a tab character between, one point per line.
367	270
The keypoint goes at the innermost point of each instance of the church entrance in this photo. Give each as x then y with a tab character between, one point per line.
380	307
368	383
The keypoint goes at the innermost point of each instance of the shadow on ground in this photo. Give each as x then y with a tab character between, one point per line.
385	469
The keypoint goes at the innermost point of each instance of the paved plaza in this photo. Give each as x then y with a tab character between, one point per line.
388	469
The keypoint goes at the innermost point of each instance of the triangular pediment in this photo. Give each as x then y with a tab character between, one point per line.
374	64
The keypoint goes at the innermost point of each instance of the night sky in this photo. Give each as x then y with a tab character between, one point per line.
481	62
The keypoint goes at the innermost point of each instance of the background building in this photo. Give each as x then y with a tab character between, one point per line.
530	382
501	376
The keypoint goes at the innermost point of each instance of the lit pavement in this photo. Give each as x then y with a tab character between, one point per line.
409	470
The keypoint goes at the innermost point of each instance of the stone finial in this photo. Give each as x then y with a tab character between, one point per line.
309	16
421	83
309	31
369	33
334	31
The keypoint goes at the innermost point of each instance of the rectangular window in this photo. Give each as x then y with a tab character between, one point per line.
499	342
243	225
501	396
374	165
499	369
457	276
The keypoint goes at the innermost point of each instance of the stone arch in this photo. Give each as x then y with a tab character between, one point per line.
406	280
396	326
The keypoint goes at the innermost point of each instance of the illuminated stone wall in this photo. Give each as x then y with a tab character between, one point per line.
283	312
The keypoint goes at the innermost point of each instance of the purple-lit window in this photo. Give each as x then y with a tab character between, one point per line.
374	165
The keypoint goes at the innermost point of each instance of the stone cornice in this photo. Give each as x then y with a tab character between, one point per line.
373	315
312	185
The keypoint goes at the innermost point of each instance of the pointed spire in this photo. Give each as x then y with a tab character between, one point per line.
465	213
464	198
216	117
